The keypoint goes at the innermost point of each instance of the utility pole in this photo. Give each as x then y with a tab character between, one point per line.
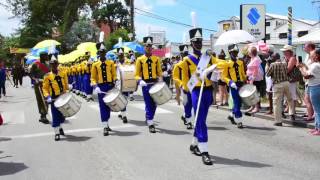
132	19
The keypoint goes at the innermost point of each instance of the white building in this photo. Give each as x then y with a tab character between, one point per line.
276	29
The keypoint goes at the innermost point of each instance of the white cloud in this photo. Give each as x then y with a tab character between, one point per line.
166	2
142	4
142	29
8	24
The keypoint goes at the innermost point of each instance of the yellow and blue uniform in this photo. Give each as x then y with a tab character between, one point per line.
149	70
53	86
234	73
103	75
86	80
189	66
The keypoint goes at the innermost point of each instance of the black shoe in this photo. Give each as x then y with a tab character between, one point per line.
189	125
195	150
206	158
240	126
57	137
232	120
124	120
120	116
248	114
61	132
44	121
292	117
131	98
277	124
152	129
106	131
283	115
184	120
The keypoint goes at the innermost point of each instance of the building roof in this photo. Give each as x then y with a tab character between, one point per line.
277	16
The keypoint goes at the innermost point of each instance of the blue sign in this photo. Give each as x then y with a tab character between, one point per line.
253	16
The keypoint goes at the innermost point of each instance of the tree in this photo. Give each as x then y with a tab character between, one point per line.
112	12
114	38
81	31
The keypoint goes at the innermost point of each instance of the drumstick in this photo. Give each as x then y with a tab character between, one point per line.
198	106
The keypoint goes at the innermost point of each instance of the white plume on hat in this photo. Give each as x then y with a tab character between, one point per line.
101	37
194	19
52	49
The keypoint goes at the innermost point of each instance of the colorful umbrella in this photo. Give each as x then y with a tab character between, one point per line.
46	44
136	47
88	47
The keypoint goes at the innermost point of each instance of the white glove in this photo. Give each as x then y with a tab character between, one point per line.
165	73
70	86
207	71
97	90
142	83
49	100
233	85
117	84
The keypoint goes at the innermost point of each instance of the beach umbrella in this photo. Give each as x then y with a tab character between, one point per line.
46	44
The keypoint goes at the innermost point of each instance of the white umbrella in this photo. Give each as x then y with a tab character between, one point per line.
234	37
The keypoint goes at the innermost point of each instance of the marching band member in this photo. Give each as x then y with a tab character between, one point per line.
148	72
86	80
132	60
235	76
123	61
103	79
55	84
193	63
37	72
181	86
83	65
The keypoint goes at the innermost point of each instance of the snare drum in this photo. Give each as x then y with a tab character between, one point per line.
115	100
67	104
126	75
160	93
249	94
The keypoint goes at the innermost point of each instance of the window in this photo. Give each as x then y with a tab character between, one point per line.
283	35
302	33
267	37
267	23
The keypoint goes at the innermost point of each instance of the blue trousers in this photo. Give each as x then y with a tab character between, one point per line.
86	83
70	79
74	77
150	105
57	117
236	110
314	96
201	130
104	109
188	106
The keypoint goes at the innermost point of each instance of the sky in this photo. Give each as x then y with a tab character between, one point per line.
208	13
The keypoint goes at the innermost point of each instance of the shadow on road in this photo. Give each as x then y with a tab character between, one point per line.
71	138
218	128
8	168
260	128
124	133
238	162
137	123
171	132
5	139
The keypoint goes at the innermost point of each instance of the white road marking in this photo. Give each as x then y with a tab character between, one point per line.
13	117
159	110
25	136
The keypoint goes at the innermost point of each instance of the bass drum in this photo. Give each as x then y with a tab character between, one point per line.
115	100
126	75
160	93
249	94
67	104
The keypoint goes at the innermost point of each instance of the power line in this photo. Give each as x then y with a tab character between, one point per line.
155	16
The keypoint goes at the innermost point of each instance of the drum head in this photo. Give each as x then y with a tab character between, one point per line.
158	86
247	90
111	95
63	99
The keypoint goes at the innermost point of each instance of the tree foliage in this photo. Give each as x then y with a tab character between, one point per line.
114	38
